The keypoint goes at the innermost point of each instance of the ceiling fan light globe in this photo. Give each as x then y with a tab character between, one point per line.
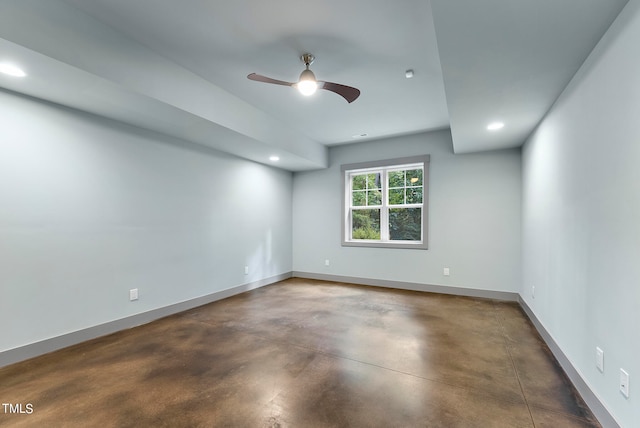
307	84
307	87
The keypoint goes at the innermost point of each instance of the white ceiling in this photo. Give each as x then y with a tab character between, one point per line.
180	67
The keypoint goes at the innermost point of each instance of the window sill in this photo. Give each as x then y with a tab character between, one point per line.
374	244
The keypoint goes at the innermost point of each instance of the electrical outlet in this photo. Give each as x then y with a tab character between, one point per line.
326	262
600	359
246	270
133	294
446	271
624	383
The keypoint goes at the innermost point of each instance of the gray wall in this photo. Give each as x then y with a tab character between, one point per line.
474	218
581	217
90	208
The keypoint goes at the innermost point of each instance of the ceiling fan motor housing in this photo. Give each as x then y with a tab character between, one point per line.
307	75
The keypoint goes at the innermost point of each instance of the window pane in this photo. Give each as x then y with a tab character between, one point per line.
359	182
373	181
374	197
414	177
396	196
396	179
365	224
405	224
414	195
359	199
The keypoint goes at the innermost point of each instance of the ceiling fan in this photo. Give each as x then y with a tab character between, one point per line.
307	84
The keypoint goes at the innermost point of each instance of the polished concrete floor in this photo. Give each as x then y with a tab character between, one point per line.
304	353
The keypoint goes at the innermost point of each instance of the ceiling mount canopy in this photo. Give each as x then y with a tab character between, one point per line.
307	59
307	84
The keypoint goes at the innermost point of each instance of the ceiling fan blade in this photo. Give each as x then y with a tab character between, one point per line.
265	79
347	92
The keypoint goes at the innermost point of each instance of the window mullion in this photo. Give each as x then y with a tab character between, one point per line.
384	211
349	205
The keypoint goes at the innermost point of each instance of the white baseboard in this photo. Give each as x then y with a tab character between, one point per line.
597	407
53	344
442	289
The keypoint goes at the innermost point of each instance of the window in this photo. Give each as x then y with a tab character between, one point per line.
385	203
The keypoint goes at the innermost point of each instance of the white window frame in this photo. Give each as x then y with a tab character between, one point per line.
384	167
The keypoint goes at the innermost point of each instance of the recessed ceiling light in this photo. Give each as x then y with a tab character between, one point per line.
11	70
274	158
494	126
